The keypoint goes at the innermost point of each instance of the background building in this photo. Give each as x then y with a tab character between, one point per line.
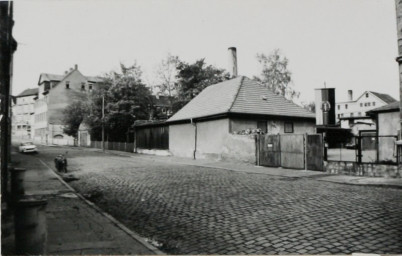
23	114
56	92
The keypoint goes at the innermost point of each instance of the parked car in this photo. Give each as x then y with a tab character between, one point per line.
26	147
351	146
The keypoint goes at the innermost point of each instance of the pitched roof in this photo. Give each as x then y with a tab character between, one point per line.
387	108
28	92
385	97
239	95
50	77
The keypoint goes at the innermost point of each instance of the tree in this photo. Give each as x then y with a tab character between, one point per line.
193	78
310	106
275	74
166	75
74	114
126	99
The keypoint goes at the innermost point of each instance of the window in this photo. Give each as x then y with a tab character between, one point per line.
365	104
361	104
368	104
288	127
339	107
351	114
367	95
263	126
360	113
90	87
339	115
67	84
373	104
82	86
346	106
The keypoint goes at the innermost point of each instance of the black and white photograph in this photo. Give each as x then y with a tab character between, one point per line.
201	127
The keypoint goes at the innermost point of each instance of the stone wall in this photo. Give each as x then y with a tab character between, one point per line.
363	169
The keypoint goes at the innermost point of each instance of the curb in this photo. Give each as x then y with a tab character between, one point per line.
108	216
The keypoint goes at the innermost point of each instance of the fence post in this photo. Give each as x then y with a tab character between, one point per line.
305	150
359	150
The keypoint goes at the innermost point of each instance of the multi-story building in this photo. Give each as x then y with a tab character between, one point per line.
23	114
352	113
56	92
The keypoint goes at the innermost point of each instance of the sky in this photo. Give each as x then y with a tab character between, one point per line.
348	44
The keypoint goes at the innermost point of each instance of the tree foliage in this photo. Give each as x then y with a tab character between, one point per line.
193	78
126	99
275	74
74	114
310	106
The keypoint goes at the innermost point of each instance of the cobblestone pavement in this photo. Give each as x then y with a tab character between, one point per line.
194	210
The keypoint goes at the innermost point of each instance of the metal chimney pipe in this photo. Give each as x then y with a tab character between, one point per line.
232	62
350	95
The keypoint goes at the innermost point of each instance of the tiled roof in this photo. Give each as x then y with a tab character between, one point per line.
51	77
239	95
28	92
386	108
385	97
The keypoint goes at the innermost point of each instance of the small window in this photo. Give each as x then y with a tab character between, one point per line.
339	115
263	126
361	104
67	84
367	95
351	114
368	104
365	104
373	104
346	106
90	87
83	86
288	127
339	107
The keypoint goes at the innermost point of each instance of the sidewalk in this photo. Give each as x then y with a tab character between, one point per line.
75	225
250	168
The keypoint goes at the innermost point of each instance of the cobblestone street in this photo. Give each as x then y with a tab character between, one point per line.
195	210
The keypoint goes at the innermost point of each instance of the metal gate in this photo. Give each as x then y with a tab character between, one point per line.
315	152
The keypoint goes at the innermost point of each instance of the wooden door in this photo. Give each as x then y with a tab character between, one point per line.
269	150
315	152
292	151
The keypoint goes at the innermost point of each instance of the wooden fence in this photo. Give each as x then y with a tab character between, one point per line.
152	137
119	146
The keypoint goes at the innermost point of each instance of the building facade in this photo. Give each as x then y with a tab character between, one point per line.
365	102
56	92
23	114
217	122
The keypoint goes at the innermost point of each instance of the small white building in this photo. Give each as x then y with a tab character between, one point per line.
358	108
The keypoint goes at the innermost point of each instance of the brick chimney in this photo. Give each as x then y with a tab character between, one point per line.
350	95
232	62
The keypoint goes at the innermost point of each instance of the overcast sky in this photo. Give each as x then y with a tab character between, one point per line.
349	44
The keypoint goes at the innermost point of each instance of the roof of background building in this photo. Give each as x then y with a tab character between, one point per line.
28	92
385	97
52	77
387	108
240	95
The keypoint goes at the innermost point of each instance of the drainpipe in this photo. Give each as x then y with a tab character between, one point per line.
195	137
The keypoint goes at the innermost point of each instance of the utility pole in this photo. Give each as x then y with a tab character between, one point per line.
398	4
103	122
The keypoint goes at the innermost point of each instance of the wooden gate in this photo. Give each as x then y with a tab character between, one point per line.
315	152
296	151
269	150
292	151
